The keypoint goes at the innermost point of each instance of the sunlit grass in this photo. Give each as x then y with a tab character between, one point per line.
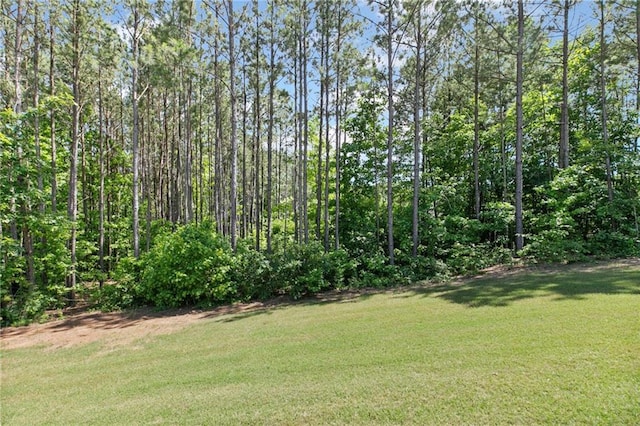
533	348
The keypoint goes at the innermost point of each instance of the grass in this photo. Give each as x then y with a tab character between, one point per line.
541	347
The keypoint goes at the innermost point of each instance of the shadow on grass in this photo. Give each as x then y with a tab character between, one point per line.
270	306
505	290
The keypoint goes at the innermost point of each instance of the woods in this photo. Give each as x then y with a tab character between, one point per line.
180	152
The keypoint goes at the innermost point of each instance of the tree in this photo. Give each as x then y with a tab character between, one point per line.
233	197
77	23
417	140
603	101
519	130
135	53
390	57
563	160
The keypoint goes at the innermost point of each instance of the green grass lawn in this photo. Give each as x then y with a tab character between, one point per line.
543	346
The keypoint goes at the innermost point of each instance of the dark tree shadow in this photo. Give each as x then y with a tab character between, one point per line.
573	284
269	306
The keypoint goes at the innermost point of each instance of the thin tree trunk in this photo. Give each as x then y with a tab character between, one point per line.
327	90
36	102
503	145
519	124
305	146
320	130
244	215
234	143
297	171
188	157
148	180
258	129
603	103
272	42
563	161
390	245
337	127
637	147
217	187
200	209
476	118
416	136
134	101
52	131
17	106
72	205
31	278
102	177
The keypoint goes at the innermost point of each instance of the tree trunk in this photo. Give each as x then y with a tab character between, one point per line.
234	143
102	177
323	82
305	121
326	139
337	127
36	103
52	130
637	147
563	161
519	124
244	216
476	118
134	101
258	148
416	136
603	103
272	76
217	183
188	156
72	205
390	245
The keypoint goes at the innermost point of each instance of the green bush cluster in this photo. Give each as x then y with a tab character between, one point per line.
194	266
189	266
578	220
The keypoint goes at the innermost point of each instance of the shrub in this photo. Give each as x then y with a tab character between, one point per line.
614	244
251	273
190	266
554	245
298	269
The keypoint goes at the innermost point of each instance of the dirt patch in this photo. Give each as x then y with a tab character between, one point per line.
113	328
123	328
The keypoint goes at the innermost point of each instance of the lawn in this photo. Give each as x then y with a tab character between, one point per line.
554	345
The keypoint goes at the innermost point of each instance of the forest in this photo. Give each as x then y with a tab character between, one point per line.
192	153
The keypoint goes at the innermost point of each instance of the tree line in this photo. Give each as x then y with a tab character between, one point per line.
288	146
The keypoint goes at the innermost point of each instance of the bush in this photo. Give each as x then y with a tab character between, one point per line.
190	266
298	269
374	271
114	297
614	244
554	245
251	273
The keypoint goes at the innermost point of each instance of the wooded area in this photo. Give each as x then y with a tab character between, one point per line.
216	151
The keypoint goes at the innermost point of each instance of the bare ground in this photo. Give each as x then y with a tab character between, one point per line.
124	328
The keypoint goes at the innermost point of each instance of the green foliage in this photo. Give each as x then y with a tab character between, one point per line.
578	220
189	266
114	296
304	269
124	291
251	273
